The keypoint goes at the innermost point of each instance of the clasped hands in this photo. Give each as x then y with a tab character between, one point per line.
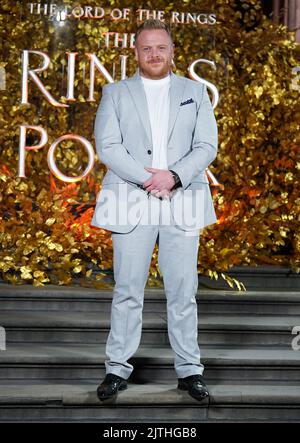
160	184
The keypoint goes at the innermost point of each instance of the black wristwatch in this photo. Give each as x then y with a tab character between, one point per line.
177	180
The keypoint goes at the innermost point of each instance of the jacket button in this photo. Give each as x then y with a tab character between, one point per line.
149	151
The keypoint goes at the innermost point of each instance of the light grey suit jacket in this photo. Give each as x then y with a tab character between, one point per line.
124	144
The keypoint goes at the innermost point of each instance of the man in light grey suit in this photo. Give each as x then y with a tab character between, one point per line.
156	132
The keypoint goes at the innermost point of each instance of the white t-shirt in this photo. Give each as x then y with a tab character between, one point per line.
158	99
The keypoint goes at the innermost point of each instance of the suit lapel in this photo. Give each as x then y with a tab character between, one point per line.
177	88
137	92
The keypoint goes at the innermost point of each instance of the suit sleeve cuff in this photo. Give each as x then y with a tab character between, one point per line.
178	183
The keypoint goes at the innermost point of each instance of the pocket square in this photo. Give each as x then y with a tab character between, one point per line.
187	102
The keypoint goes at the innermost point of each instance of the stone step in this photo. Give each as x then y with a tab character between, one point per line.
76	298
151	363
150	402
256	278
93	327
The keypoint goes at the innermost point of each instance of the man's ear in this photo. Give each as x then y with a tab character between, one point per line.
135	54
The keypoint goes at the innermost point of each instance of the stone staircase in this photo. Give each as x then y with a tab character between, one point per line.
55	352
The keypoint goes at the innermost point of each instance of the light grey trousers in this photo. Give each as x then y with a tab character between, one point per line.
177	260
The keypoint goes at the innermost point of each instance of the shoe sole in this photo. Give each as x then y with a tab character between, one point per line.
122	387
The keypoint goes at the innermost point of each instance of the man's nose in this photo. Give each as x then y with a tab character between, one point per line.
154	52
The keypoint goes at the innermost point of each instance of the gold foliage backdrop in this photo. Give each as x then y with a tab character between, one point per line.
45	236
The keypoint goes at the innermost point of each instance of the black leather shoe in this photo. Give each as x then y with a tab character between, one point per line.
195	385
110	386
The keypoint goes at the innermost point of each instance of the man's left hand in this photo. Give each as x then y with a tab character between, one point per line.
160	180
